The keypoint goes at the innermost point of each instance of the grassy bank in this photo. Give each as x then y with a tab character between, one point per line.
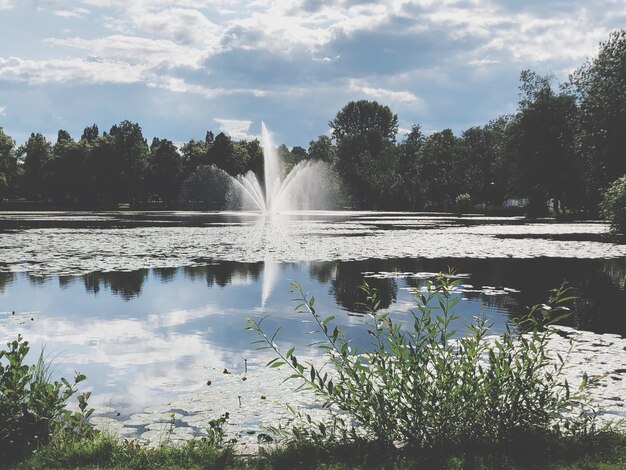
601	451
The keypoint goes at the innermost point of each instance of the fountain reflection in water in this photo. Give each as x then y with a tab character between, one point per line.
309	185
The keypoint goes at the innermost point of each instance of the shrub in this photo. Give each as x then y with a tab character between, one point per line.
424	389
4	187
463	203
31	406
613	205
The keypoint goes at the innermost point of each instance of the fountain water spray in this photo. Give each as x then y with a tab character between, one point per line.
309	185
304	188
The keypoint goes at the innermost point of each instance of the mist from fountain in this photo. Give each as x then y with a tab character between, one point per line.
304	188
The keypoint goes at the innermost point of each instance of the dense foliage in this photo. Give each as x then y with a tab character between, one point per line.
422	389
561	149
614	205
32	407
600	90
604	450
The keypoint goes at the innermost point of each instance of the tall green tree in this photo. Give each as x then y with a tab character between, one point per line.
365	132
322	149
90	133
476	159
600	89
299	154
487	168
100	172
222	154
503	172
35	155
255	158
66	168
382	182
165	170
195	153
364	117
129	161
8	165
240	158
437	163
409	197
543	135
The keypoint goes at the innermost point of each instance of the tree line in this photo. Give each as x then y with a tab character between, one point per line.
118	166
562	148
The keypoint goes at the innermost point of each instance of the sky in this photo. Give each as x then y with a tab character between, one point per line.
182	67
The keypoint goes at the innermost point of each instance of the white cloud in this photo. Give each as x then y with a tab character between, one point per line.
187	33
236	128
73	13
135	50
61	8
178	85
536	36
181	25
155	4
385	94
223	53
39	72
276	33
3	111
483	62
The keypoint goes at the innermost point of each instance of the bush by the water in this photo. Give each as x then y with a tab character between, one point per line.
463	203
32	407
614	205
423	389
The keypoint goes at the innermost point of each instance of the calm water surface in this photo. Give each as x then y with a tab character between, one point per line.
143	336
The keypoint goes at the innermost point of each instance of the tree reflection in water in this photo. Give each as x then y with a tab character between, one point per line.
599	285
5	280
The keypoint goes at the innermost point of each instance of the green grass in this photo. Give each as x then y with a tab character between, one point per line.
102	451
601	451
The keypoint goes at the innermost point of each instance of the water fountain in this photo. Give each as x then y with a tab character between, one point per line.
307	186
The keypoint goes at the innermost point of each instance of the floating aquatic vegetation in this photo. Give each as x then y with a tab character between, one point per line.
337	236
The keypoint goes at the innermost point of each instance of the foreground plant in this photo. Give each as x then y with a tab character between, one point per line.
424	389
32	407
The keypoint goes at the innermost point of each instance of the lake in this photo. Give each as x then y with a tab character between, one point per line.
146	303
